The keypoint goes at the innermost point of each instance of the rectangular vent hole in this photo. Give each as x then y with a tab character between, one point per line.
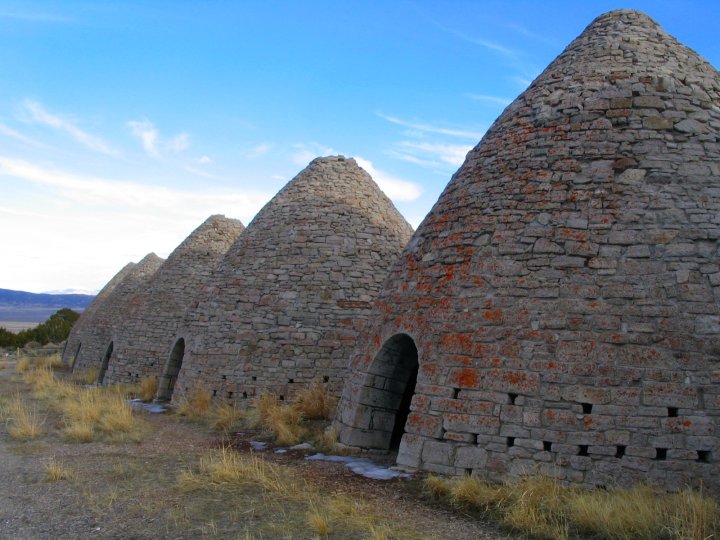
455	393
229	394
290	381
510	441
281	398
468	472
704	456
620	450
672	412
326	379
547	446
583	450
224	377
586	408
660	454
254	378
214	393
512	398
244	395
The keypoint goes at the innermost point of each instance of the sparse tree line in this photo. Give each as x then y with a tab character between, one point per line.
55	330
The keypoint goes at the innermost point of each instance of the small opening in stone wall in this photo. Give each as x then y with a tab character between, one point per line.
468	472
660	454
230	394
129	374
704	456
547	446
254	378
510	441
244	395
326	378
586	408
455	393
282	398
620	450
583	450
137	375
224	377
512	398
672	412
152	364
214	393
475	438
290	381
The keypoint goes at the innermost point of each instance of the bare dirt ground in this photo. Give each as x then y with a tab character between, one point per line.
130	490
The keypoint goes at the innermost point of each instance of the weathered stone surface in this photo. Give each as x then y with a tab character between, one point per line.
96	340
567	265
143	342
286	304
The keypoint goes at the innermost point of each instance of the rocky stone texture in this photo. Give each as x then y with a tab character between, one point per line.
83	325
286	304
120	305
142	344
564	292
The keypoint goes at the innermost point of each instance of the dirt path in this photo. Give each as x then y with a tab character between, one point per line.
130	490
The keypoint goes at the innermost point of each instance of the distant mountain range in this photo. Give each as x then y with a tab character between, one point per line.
21	306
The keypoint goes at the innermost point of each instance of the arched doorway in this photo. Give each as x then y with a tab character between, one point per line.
389	390
105	362
75	357
166	384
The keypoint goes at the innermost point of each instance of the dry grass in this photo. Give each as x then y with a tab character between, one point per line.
23	422
543	508
87	376
224	416
50	362
54	471
251	480
196	406
147	388
315	402
22	365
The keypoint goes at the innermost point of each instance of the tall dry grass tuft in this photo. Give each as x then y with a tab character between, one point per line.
22	365
283	422
318	520
23	422
196	406
537	506
315	402
224	416
147	388
53	361
87	376
54	470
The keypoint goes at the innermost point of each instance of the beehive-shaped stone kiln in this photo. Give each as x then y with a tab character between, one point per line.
560	304
286	304
84	323
98	341
142	343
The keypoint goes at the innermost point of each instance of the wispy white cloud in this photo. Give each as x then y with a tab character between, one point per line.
432	153
204	160
429	128
148	135
258	150
13	134
101	192
487	44
491	99
153	143
394	187
40	115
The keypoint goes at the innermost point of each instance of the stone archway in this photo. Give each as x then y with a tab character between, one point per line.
388	393
75	357
170	374
105	362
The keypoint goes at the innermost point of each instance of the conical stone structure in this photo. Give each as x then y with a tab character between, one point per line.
559	305
143	341
120	305
83	325
286	304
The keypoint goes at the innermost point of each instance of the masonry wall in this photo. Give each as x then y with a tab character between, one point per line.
144	340
563	294
120	305
83	325
285	306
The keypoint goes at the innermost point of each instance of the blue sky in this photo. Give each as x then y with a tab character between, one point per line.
123	125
